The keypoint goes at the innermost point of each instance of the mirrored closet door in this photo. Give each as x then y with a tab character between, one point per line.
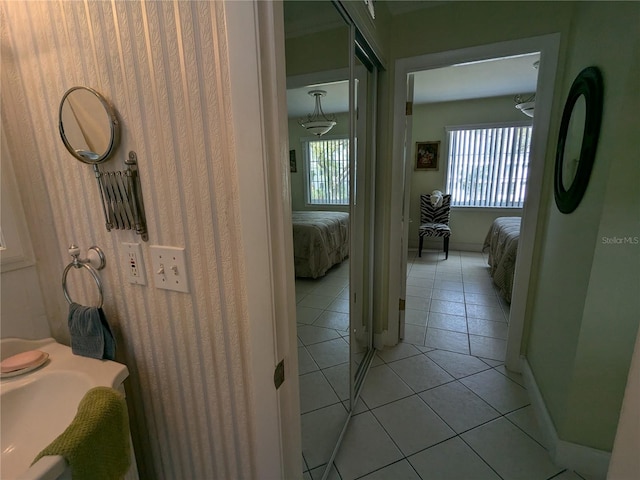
364	75
331	103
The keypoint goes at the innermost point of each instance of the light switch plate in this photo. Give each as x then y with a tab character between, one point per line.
132	263
169	268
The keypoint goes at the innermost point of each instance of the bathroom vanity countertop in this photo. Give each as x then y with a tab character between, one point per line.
38	406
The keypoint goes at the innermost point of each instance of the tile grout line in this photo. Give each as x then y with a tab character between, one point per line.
458	380
405	457
458	259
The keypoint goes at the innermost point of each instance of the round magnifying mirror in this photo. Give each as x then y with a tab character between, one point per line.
88	125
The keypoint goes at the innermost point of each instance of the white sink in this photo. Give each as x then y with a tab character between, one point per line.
38	406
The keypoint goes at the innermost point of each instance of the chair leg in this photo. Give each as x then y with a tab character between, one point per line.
446	248
420	247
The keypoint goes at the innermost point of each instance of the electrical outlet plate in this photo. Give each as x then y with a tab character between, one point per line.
169	268
132	263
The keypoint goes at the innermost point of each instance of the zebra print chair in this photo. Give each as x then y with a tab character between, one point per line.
434	221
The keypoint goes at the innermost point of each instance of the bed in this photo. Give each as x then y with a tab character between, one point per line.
501	244
320	241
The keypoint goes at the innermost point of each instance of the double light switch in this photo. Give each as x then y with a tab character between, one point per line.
169	268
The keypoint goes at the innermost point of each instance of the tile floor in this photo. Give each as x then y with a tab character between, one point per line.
439	405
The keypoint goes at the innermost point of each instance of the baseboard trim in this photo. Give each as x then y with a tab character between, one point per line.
380	340
547	428
576	457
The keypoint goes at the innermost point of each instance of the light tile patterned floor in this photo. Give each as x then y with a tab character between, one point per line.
438	406
323	362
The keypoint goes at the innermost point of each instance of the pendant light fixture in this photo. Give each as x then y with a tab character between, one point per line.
526	105
318	123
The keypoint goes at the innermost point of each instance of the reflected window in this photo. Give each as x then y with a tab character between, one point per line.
327	171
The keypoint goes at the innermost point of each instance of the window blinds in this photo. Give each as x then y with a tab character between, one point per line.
488	166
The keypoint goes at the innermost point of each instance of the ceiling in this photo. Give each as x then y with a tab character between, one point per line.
488	78
300	103
307	17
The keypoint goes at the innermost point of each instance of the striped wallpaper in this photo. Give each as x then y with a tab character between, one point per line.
163	65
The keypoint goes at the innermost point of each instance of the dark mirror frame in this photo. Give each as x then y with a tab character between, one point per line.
114	127
588	83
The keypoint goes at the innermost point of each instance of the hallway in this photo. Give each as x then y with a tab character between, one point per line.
439	405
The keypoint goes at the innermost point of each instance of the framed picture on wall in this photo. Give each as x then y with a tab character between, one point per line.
427	154
292	161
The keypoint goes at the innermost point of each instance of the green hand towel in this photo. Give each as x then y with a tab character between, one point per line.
96	443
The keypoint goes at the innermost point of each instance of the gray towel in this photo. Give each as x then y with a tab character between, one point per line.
90	333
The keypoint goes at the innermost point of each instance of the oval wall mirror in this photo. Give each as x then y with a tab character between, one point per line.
573	142
578	139
88	125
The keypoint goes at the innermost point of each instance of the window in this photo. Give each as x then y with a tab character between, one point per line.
488	166
327	171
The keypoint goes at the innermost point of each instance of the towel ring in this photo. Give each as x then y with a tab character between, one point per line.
74	251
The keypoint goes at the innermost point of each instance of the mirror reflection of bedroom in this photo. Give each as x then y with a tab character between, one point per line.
331	92
317	59
476	119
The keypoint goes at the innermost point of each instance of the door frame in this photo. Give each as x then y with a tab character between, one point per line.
548	46
404	243
257	78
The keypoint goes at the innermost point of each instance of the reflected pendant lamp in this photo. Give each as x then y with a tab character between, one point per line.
318	123
527	105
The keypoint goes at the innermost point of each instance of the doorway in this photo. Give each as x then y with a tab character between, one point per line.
547	46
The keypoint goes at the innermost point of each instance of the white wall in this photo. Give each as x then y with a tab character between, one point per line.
22	309
22	312
165	68
469	226
586	308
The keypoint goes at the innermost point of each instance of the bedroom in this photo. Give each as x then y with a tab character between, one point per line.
325	199
468	101
320	169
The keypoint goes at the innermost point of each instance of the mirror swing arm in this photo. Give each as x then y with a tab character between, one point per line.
121	195
90	131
